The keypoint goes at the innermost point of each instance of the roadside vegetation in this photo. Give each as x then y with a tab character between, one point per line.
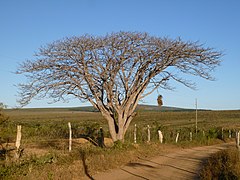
45	140
222	165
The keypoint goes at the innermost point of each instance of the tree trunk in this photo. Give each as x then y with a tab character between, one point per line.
118	128
120	134
117	136
111	126
112	129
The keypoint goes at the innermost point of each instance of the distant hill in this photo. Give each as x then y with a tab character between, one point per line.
140	107
84	108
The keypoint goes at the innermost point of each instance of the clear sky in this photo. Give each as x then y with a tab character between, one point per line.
28	24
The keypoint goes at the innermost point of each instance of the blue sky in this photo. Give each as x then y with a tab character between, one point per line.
28	24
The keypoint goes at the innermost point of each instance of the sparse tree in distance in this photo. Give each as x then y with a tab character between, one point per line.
2	106
114	72
3	116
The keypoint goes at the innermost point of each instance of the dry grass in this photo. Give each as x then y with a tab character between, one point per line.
45	134
82	162
222	165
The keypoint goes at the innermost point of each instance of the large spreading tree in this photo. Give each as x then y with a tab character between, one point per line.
113	72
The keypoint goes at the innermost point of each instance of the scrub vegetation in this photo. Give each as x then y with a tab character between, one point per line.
222	165
45	139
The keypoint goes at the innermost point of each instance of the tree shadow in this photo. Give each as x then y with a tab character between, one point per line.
134	174
179	157
172	166
85	167
139	165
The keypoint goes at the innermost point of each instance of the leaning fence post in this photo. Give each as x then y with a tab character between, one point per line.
177	137
149	134
160	136
135	133
70	136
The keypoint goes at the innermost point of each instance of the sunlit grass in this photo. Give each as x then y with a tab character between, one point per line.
47	129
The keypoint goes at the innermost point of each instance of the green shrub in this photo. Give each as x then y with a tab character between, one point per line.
213	133
22	167
5	131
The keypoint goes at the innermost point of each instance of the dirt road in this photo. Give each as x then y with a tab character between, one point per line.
183	164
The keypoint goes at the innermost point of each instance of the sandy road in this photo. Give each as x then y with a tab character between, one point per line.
183	164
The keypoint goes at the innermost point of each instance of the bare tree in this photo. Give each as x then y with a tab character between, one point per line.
113	72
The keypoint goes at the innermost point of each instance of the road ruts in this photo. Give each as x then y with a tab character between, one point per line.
183	164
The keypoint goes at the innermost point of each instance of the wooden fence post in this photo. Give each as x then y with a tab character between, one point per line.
190	136
177	137
18	141
235	136
237	139
229	133
135	134
149	134
70	136
222	134
101	138
19	136
160	136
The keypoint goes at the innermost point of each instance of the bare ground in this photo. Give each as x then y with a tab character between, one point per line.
181	164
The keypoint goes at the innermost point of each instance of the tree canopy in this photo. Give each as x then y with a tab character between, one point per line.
114	72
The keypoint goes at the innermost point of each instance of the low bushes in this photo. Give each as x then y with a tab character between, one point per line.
222	165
